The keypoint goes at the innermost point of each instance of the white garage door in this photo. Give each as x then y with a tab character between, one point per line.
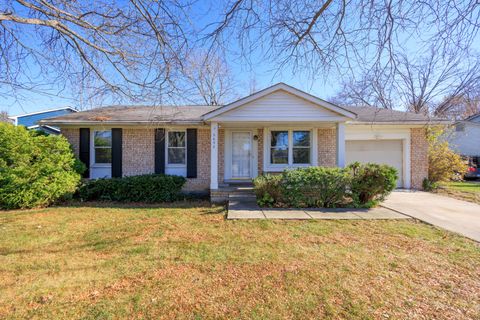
378	151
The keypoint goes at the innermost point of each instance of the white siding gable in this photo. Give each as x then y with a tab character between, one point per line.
280	106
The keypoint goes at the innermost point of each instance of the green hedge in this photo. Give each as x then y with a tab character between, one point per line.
35	170
371	183
145	188
355	186
315	187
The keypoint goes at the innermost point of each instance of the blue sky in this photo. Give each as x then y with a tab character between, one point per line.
264	73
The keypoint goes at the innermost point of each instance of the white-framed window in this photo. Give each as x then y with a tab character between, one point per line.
102	145
290	147
176	148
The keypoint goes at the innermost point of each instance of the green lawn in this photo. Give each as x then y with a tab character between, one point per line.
463	190
464	186
187	261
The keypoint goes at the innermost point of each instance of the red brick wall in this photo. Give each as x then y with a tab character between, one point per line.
138	151
418	157
73	136
260	144
327	147
221	155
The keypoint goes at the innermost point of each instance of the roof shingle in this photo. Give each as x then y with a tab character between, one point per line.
194	114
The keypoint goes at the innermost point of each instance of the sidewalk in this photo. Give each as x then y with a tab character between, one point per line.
241	209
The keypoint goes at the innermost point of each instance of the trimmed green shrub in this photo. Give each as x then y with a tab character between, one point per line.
428	185
268	189
145	188
371	183
315	187
35	170
355	186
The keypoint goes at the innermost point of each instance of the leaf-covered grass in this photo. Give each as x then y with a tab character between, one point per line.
187	261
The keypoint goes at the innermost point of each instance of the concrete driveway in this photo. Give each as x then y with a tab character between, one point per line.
444	212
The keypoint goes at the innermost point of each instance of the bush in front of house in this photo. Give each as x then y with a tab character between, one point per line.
144	188
370	183
35	170
443	163
268	189
315	187
358	185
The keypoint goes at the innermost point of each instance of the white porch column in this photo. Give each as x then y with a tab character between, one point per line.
214	155
341	144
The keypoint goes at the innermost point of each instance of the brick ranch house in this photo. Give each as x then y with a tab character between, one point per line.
276	128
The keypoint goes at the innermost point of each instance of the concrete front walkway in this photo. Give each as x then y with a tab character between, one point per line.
448	213
241	209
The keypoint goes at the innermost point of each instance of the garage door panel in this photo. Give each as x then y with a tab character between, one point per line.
388	152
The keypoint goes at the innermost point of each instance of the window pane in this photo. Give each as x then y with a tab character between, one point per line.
103	138
176	155
103	155
301	138
301	155
279	155
279	139
176	139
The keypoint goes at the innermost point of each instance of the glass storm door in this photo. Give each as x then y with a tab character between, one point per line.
241	152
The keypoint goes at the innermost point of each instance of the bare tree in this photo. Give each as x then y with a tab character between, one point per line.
315	36
430	84
461	107
209	80
4	117
137	48
133	48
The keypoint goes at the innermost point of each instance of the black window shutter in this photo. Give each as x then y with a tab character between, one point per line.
84	152
116	152
192	153
160	151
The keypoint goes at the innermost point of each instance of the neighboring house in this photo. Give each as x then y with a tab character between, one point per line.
465	140
30	120
276	128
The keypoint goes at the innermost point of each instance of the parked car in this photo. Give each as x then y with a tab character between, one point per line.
473	171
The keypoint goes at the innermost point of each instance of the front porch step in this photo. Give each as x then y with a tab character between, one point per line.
242	196
237	193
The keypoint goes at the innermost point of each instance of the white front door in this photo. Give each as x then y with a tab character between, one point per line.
241	154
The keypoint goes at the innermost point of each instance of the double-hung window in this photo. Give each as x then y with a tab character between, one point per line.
102	144
176	147
290	147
